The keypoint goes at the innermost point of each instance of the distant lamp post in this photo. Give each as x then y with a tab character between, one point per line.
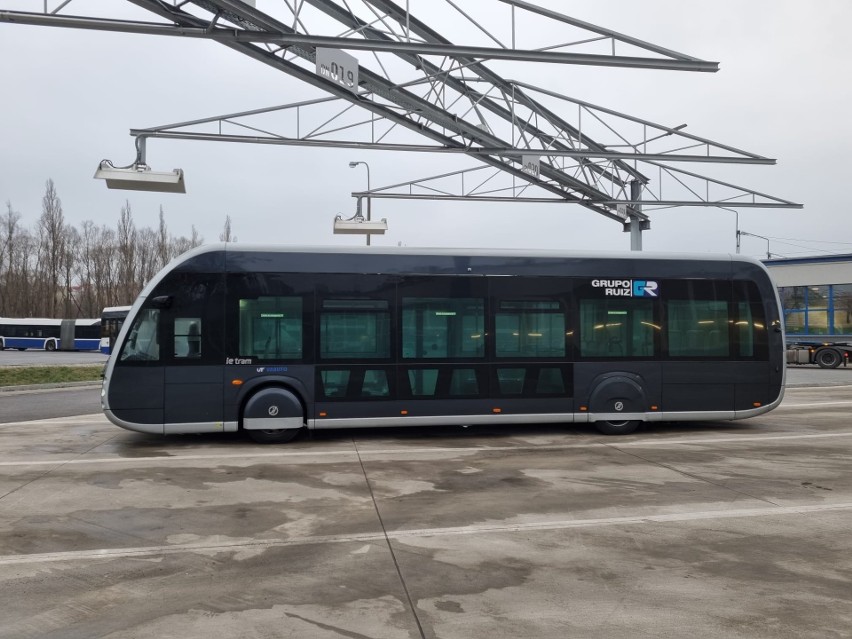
352	165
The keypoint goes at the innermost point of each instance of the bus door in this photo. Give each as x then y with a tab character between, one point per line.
135	385
192	327
532	369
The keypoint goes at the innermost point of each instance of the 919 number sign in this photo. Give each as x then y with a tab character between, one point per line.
339	67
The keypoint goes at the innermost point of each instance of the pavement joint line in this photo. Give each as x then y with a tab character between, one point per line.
812	404
402	535
366	453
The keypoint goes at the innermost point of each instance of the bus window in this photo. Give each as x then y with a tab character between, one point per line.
355	328
187	337
698	319
529	328
617	328
423	381
442	327
142	343
750	330
697	328
271	327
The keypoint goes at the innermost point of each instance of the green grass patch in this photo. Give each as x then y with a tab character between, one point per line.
23	375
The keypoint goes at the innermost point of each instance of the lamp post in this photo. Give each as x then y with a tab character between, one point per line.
352	165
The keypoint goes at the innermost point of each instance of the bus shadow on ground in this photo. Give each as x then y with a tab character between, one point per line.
146	445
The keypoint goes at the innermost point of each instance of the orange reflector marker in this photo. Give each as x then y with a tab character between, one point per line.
496	410
655	408
584	408
403	412
236	382
757	404
323	414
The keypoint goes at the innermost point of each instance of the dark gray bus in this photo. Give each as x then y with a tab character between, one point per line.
275	339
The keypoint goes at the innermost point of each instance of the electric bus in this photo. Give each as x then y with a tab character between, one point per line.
50	334
274	340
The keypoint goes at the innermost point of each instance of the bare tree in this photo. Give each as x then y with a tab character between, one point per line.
226	235
8	247
57	269
163	241
127	255
52	242
147	262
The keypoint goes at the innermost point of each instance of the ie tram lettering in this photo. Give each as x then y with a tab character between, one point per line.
390	336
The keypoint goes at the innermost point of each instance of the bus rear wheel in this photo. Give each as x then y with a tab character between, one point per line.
618	428
50	346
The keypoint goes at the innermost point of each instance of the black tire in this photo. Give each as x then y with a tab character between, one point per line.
828	358
281	436
50	345
618	428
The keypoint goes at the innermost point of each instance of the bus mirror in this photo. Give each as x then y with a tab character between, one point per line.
162	301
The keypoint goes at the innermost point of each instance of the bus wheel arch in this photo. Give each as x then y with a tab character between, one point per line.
272	413
50	345
614	393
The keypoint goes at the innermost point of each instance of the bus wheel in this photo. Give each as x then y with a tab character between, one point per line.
278	436
50	345
618	428
828	358
273	415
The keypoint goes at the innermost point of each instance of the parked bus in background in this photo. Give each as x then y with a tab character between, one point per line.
50	334
273	340
112	318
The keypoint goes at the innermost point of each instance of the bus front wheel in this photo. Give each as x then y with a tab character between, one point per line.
273	415
618	428
277	436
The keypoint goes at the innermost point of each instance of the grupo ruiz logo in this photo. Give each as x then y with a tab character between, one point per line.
628	288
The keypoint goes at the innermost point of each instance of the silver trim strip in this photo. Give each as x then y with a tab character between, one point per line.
441	420
200	427
272	423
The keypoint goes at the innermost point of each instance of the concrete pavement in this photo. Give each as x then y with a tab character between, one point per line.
711	530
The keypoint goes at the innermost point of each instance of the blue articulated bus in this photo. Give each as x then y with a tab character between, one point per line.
50	334
273	340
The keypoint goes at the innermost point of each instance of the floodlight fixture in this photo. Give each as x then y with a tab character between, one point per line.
359	225
139	177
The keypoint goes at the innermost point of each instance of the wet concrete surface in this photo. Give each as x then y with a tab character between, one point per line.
702	530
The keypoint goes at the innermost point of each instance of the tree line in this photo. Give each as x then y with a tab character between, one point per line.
57	270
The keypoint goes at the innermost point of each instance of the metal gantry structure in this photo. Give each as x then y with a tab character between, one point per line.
410	88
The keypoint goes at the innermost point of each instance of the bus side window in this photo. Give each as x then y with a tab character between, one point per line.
187	337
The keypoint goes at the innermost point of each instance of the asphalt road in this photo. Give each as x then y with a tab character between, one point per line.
737	530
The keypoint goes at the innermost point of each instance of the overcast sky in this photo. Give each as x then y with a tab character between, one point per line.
69	98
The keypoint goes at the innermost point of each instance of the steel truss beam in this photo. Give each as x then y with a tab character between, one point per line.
460	105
